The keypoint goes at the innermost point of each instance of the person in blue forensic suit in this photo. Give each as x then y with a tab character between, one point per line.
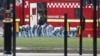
73	31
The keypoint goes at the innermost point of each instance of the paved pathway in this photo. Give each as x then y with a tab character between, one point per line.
48	54
1	31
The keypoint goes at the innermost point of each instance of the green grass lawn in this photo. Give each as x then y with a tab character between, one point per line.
53	42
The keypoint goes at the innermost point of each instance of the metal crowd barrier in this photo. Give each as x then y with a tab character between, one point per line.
7	42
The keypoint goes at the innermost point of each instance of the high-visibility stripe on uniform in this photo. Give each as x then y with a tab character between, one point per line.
79	30
68	27
10	20
7	20
17	19
17	26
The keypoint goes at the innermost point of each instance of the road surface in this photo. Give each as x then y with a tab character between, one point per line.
48	54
